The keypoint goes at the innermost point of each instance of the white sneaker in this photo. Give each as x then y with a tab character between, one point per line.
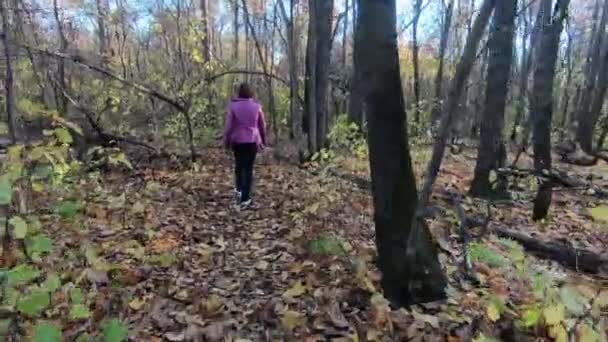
246	204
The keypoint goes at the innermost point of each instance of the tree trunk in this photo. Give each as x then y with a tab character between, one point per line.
593	87
294	110
524	74
415	63
9	82
62	102
393	182
541	104
310	91
491	151
564	123
324	19
206	32
445	34
235	23
355	98
463	71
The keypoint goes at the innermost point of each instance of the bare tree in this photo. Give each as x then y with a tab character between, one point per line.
445	34
9	81
415	61
394	185
541	104
491	152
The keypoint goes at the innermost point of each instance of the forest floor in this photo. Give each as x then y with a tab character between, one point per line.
165	251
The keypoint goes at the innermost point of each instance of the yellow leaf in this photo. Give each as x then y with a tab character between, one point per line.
554	314
292	319
296	290
559	333
213	305
137	303
493	311
600	213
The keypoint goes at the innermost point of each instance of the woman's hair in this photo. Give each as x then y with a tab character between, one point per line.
245	91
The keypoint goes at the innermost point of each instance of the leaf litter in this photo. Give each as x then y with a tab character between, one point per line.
167	254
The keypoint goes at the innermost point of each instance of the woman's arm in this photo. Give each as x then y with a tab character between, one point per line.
262	126
228	127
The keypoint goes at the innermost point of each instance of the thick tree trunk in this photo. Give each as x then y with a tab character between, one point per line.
393	182
445	34
491	152
324	19
9	81
541	104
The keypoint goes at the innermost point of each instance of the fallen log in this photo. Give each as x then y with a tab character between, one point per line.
568	256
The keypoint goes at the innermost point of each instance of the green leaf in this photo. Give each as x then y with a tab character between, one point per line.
52	283
34	303
600	213
21	274
63	136
79	311
39	244
6	191
115	331
76	295
482	253
47	332
68	209
19	227
531	317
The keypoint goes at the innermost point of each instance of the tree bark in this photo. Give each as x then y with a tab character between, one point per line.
393	182
463	71
310	83
9	81
445	34
415	63
294	110
491	153
541	104
62	102
206	32
324	19
235	23
355	98
564	123
593	88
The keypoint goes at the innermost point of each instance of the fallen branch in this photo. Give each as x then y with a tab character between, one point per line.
575	258
103	135
176	103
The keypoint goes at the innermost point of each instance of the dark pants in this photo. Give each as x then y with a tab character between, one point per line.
244	157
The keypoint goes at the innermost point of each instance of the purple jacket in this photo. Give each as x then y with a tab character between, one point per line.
244	123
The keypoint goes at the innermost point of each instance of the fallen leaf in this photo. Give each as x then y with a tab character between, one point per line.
292	319
137	303
296	290
554	314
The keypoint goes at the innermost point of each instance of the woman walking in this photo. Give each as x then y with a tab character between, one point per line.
245	134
